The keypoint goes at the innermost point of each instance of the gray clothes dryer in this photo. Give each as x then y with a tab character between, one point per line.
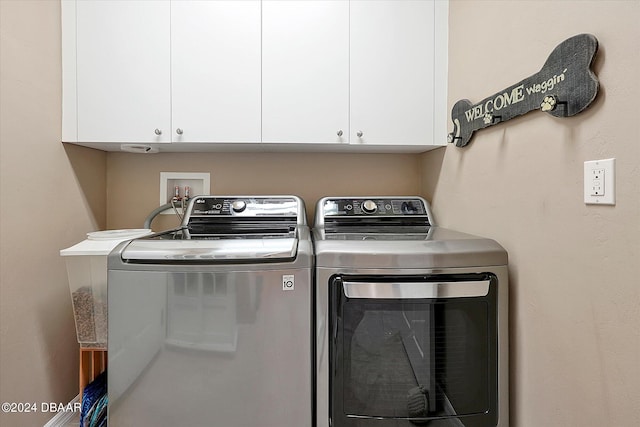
411	319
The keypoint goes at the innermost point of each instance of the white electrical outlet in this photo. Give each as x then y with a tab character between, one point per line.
199	184
599	182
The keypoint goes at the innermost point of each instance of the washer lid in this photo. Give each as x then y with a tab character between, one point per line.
216	250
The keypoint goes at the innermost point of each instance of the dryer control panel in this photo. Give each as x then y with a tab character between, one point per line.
375	206
391	215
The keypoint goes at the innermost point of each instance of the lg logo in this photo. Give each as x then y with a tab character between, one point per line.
288	282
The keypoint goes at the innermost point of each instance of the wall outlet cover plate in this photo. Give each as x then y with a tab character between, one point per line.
599	182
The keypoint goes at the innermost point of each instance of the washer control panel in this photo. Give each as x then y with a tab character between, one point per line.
377	207
251	206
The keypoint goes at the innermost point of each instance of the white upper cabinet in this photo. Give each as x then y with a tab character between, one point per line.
197	75
215	71
305	71
123	73
392	72
165	71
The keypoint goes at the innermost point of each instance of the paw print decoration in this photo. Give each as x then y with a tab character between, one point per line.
488	118
548	103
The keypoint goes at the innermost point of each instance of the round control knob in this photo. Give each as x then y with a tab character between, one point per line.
369	206
238	205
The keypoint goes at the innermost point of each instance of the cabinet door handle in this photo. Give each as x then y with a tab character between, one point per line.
359	134
158	132
179	131
339	133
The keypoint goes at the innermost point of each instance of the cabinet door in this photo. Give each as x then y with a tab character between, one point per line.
392	72
123	74
305	71
215	71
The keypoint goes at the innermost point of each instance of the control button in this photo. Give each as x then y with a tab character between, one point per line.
408	208
348	207
369	206
238	205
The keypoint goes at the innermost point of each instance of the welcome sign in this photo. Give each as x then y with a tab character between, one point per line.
563	87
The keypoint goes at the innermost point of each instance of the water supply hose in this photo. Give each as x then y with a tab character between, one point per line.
158	210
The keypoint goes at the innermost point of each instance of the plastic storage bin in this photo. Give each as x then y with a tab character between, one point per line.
87	271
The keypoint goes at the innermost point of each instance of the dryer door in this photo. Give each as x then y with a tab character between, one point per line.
410	349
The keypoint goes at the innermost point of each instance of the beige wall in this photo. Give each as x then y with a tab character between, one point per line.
134	179
574	269
50	195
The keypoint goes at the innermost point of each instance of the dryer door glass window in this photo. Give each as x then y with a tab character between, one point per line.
413	347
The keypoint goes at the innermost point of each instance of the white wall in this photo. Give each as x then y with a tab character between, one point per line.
574	269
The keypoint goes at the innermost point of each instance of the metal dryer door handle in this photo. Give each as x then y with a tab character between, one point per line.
416	290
